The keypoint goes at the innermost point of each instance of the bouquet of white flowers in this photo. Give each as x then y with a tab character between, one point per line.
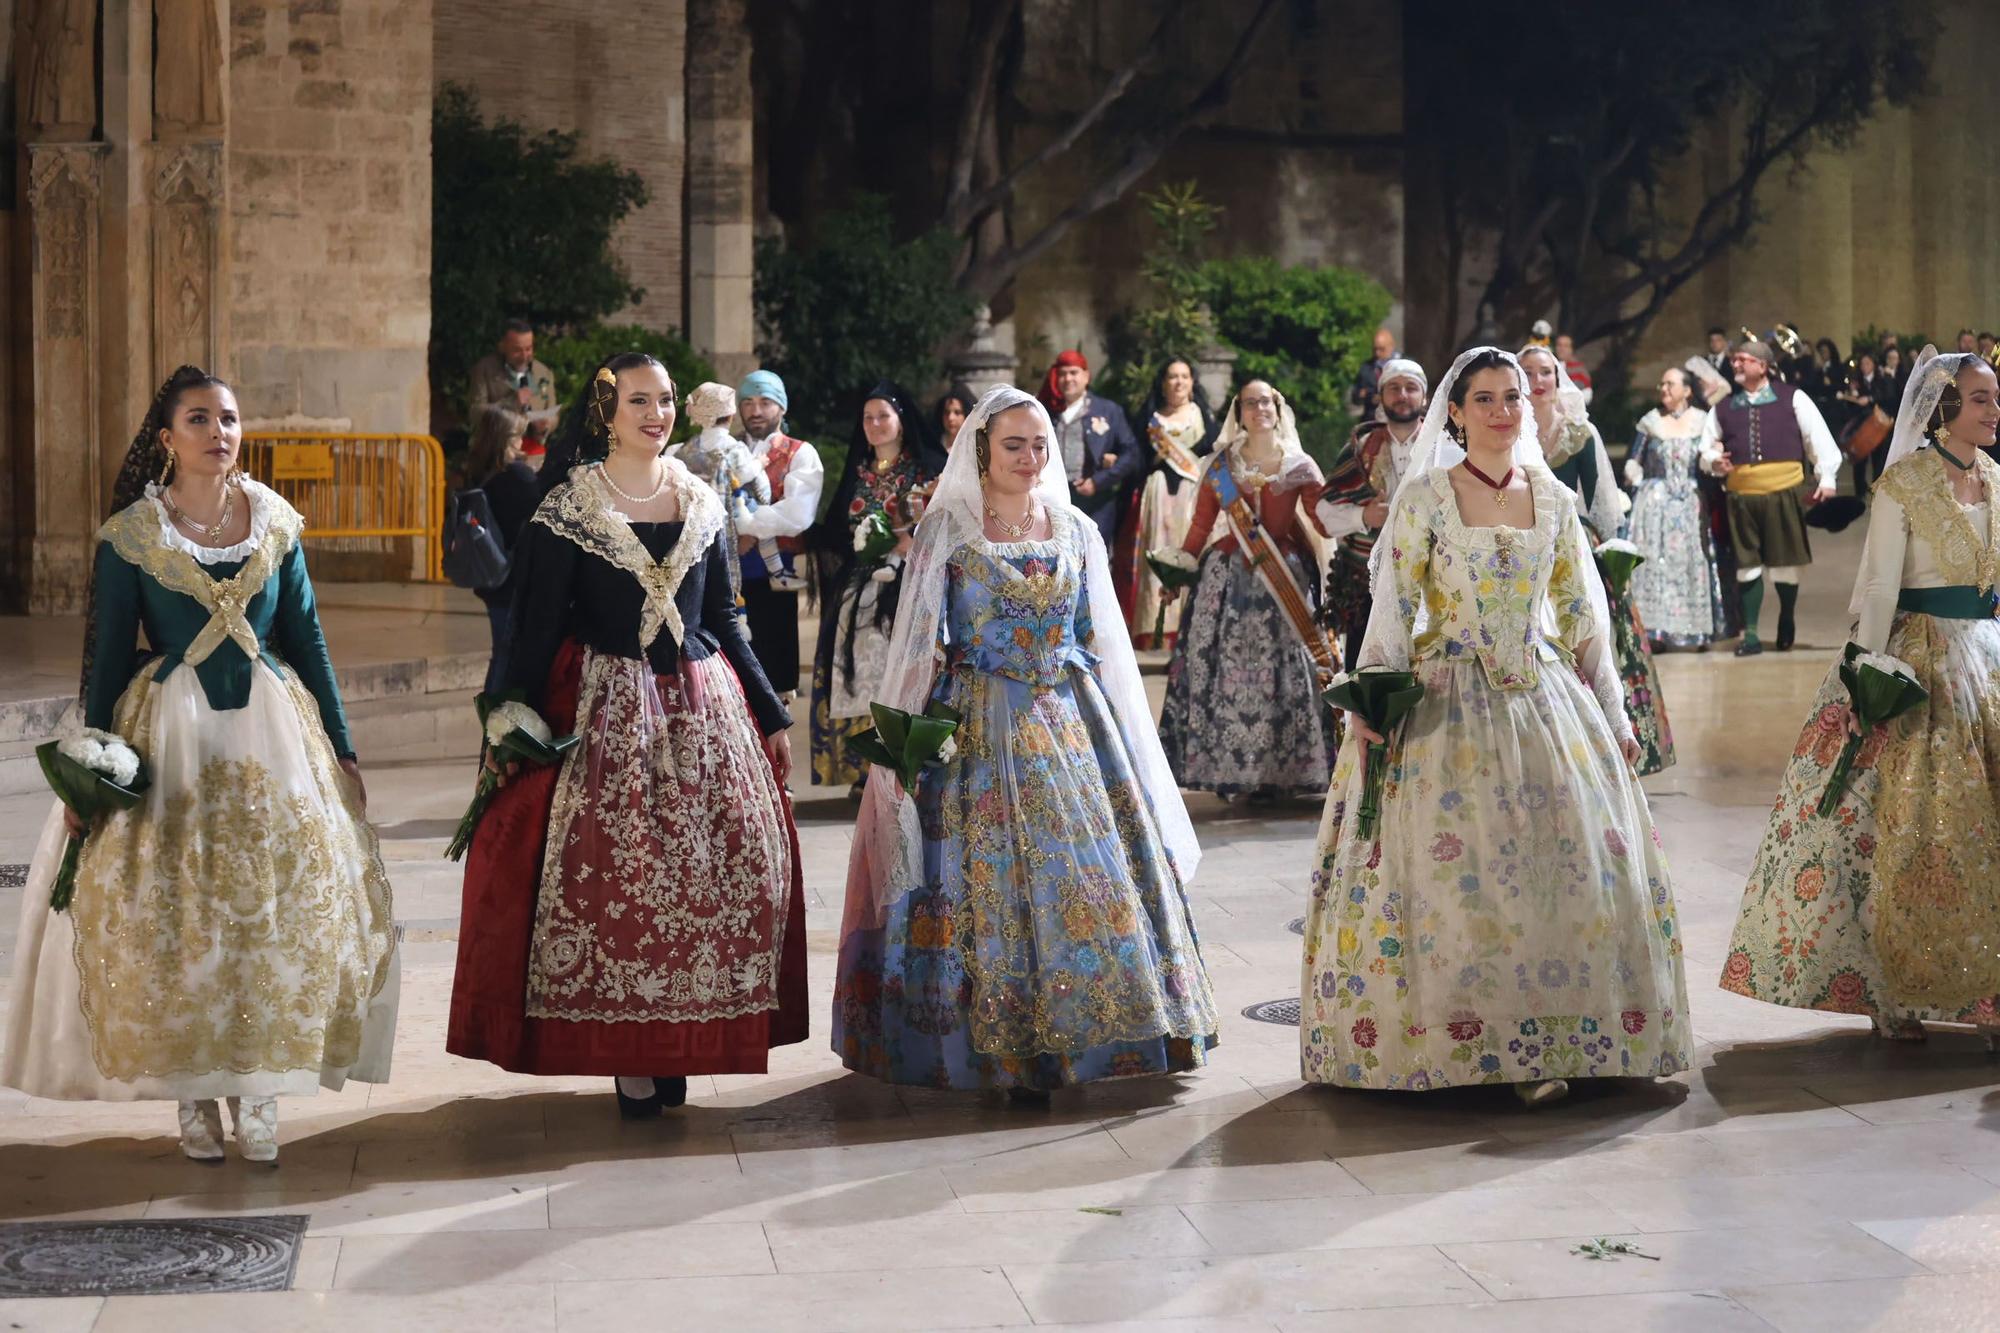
93	773
514	733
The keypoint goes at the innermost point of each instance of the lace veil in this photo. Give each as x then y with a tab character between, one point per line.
888	841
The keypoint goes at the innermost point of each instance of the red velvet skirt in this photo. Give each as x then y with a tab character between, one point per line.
489	993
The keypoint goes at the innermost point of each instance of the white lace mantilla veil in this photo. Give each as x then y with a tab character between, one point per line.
1928	378
888	841
1570	406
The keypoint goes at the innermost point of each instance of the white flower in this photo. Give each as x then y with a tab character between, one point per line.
1176	557
866	531
1340	678
948	751
513	716
1893	666
1618	544
102	752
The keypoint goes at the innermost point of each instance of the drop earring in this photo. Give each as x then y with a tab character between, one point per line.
167	467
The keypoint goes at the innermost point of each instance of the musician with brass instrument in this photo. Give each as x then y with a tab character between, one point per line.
1243	713
1759	439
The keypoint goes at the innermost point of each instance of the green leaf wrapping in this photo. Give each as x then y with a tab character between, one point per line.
88	793
1382	699
1876	697
905	742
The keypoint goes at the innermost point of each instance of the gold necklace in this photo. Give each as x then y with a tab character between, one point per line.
1016	531
207	532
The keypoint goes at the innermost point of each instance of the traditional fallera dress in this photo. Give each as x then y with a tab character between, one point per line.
636	909
1049	940
1513	920
1243	712
1891	906
856	617
1677	591
1166	508
231	935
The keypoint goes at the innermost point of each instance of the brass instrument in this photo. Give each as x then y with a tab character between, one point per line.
1787	340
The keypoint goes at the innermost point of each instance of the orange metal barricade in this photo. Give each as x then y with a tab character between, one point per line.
367	491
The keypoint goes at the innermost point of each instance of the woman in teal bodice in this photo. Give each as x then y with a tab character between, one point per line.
231	935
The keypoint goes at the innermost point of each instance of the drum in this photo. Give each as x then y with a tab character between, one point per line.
1869	434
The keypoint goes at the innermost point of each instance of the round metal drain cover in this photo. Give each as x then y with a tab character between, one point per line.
1285	1012
145	1257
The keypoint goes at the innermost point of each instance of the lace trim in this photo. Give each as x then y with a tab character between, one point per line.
1919	485
265	504
135	533
580	510
1569	442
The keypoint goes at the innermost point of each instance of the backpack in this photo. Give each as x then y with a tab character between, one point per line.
474	555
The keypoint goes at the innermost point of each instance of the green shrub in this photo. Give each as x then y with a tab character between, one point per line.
857	307
1304	329
574	356
520	227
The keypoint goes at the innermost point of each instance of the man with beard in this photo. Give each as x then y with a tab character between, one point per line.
771	595
1355	503
1760	440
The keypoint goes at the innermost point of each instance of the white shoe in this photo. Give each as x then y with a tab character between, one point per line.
256	1127
1545	1093
201	1131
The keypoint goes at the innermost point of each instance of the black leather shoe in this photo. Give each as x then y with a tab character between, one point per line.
670	1091
1749	648
642	1108
1033	1097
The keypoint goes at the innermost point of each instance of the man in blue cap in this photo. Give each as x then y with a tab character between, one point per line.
771	595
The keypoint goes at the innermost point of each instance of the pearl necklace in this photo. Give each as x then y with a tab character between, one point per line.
209	532
618	491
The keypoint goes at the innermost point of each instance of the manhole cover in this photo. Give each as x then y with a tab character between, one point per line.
13	877
1298	926
149	1257
1285	1012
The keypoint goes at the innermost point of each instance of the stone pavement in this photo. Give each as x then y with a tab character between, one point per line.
1804	1177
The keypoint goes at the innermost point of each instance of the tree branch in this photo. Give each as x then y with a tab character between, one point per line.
993	272
982	40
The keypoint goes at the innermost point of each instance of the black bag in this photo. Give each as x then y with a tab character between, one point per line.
474	555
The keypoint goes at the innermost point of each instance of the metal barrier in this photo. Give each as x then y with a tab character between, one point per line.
375	488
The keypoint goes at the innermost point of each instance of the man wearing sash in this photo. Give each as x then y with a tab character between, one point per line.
771	596
1757	440
1355	503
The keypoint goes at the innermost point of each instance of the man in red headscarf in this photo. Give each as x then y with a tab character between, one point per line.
1100	455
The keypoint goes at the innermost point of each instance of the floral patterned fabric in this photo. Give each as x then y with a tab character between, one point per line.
1644	703
1166	507
1677	590
1050	941
1889	906
1513	921
854	641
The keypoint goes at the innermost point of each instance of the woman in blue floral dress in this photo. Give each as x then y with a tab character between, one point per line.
1020	921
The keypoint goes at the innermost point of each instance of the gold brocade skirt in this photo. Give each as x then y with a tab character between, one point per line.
231	935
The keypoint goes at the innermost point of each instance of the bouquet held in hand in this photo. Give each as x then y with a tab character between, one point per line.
514	733
1177	571
93	773
1618	558
1382	699
905	742
1880	689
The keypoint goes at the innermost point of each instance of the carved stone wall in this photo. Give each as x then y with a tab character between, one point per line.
64	188
186	188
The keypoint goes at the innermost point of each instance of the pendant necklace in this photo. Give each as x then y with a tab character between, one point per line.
1499	487
207	532
1015	531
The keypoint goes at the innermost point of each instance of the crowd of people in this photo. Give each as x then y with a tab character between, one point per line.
1491	900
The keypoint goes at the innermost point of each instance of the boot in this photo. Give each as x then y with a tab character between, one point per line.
1752	595
1788	603
201	1131
256	1120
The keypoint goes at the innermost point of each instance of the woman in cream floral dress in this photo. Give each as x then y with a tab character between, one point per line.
1513	921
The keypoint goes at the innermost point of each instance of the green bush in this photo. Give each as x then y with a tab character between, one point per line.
574	356
857	307
520	227
1306	330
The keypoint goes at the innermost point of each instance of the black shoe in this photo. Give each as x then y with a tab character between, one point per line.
1034	1097
1785	641
670	1091
642	1108
1749	648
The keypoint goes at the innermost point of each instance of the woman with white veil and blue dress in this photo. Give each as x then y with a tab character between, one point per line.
1511	919
1020	920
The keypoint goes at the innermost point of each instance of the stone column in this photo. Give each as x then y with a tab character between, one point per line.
720	322
981	364
65	188
188	255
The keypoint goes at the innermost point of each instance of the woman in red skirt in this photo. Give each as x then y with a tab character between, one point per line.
634	911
